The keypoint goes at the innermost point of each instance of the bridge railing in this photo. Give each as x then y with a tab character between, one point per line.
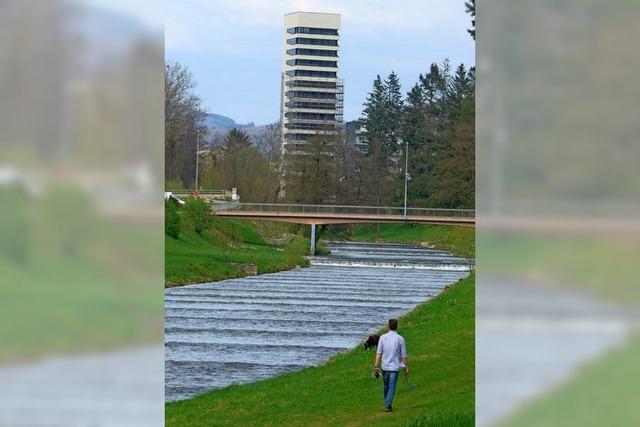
349	209
225	206
192	191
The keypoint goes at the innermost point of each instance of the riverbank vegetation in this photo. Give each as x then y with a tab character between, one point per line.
207	248
202	248
458	240
229	248
440	336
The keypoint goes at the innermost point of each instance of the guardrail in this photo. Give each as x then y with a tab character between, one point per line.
348	209
225	206
191	191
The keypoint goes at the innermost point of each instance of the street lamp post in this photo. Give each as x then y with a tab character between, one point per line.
197	149
406	177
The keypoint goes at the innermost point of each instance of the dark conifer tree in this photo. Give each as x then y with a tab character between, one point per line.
373	118
392	112
470	6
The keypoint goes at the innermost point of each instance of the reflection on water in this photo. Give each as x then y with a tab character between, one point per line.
244	330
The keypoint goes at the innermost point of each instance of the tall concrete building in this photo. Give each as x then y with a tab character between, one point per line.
311	92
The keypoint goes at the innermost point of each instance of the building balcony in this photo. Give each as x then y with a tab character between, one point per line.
292	120
334	80
311	68
311	95
304	63
311	110
311	73
306	88
310	105
310	132
314	40
328	52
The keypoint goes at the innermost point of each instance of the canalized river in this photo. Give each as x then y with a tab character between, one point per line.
243	330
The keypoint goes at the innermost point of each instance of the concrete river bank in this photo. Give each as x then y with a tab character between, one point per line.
244	330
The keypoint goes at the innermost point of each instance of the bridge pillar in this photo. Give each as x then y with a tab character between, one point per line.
313	239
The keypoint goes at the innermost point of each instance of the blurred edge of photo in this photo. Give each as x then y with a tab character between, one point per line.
81	181
558	230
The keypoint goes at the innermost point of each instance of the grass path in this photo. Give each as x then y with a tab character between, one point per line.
440	338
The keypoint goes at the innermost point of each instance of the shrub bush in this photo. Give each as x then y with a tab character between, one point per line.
171	219
198	214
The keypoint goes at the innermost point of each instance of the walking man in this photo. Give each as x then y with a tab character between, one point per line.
393	352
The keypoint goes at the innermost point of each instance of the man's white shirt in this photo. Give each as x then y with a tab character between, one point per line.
393	349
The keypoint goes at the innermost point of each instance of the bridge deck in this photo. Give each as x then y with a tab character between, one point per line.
327	214
344	218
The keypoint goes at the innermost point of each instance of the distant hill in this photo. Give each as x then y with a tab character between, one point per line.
219	126
219	122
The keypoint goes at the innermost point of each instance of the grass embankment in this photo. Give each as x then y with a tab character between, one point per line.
459	240
195	258
440	338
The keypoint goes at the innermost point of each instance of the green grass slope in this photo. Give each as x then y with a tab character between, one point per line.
459	240
194	258
441	344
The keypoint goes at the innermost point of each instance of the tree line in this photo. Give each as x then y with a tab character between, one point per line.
435	118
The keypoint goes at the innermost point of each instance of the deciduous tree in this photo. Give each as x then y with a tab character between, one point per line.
198	214
310	174
183	119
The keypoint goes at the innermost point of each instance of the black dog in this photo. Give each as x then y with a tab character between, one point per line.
371	342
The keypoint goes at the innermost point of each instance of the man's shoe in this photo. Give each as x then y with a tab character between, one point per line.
388	409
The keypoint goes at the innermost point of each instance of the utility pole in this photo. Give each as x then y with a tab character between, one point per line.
406	177
197	149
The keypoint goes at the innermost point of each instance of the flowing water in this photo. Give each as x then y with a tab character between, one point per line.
243	330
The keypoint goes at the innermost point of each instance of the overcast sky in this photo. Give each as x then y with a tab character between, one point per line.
234	47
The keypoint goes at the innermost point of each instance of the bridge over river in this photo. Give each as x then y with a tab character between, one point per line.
343	214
